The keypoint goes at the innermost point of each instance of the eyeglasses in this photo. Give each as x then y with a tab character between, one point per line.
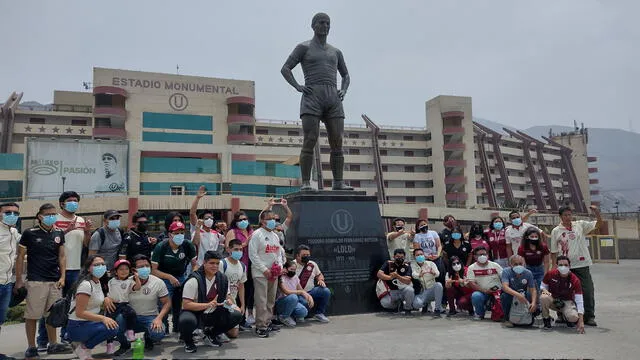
16	213
243	219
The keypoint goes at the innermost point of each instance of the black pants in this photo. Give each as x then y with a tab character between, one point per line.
248	289
213	324
128	314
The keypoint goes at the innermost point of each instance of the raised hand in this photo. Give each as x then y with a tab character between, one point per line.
202	191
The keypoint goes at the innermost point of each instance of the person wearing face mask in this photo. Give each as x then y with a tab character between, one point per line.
240	229
236	272
429	242
562	292
497	242
169	262
145	303
86	327
449	223
426	272
204	236
312	281
396	274
9	238
456	287
399	238
458	247
292	298
137	240
477	238
568	239
535	254
484	279
44	247
513	233
517	282
107	240
267	258
170	218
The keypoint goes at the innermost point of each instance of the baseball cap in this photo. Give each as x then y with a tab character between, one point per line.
176	226
121	262
110	213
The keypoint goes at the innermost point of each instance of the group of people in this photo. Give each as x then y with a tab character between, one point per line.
206	283
516	271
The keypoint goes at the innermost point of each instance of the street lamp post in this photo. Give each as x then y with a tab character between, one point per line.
63	180
617	208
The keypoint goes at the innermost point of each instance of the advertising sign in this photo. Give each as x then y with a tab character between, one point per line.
86	167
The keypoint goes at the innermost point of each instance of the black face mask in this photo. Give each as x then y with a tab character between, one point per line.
399	261
304	259
142	227
534	241
424	228
291	273
398	228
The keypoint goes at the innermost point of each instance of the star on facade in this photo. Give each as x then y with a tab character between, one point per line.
290	140
300	140
355	142
270	138
55	130
42	129
260	138
82	130
27	128
280	139
69	130
364	143
393	144
384	143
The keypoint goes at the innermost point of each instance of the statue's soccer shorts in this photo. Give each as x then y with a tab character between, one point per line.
322	102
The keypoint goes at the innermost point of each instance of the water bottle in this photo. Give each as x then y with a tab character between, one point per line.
138	348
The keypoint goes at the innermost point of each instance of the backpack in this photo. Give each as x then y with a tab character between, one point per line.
519	313
224	266
103	236
59	310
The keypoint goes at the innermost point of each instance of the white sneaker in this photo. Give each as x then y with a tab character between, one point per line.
287	321
477	317
131	336
223	338
321	318
250	319
82	352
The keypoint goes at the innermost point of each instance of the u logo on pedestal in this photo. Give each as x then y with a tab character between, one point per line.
342	221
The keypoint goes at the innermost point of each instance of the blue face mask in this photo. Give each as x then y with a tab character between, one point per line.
420	259
498	225
143	272
518	269
178	239
49	220
243	224
10	219
71	206
113	224
516	222
456	236
270	224
99	271
236	255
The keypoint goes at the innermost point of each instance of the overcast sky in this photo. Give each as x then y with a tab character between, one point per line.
524	63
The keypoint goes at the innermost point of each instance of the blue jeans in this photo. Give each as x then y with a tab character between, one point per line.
506	300
291	305
175	294
5	299
143	324
90	333
479	301
538	274
321	296
70	278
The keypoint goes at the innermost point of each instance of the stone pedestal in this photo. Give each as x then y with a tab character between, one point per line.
347	240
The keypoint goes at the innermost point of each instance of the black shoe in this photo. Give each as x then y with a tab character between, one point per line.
591	322
571	324
212	341
31	353
5	357
438	313
547	324
452	313
190	347
276	321
42	347
263	333
53	349
425	309
122	350
148	344
273	328
407	312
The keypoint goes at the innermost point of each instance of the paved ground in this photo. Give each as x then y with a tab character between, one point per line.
395	336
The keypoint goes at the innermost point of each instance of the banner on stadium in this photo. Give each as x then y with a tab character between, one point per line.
85	167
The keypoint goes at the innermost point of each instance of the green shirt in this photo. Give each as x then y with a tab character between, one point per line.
173	262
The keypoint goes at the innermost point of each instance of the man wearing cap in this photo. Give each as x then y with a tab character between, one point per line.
169	262
113	180
106	241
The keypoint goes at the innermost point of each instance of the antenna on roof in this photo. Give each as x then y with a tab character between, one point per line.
86	85
177	69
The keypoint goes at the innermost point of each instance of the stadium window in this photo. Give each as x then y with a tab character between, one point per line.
177	190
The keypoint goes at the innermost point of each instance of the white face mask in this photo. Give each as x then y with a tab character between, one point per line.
482	259
457	267
564	270
208	223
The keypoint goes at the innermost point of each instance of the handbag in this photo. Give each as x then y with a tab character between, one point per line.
382	289
59	311
519	313
496	309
